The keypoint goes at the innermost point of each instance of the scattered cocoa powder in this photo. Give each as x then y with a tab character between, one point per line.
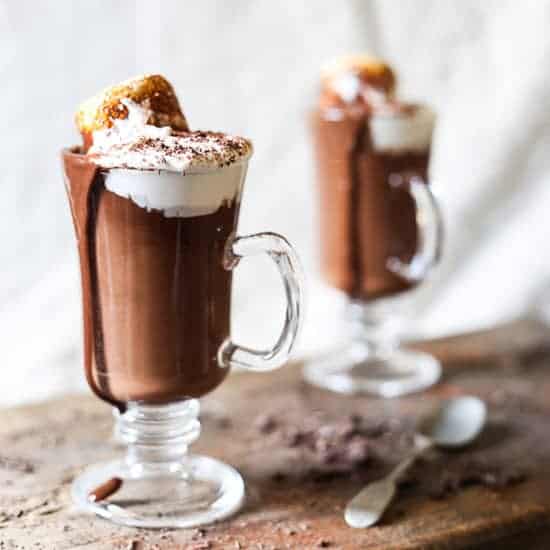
365	450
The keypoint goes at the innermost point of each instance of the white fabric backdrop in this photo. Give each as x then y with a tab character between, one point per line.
251	67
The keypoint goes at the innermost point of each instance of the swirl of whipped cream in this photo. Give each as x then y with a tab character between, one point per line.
132	143
178	173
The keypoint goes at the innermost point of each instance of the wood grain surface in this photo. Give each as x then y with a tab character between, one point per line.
42	448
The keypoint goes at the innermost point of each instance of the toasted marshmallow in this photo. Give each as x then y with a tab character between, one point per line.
153	92
357	78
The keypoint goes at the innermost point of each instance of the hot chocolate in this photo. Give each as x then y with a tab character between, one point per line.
155	209
381	229
364	137
151	244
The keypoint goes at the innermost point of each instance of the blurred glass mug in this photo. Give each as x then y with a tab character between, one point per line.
157	300
381	235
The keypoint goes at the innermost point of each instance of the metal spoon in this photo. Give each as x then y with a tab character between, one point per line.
456	424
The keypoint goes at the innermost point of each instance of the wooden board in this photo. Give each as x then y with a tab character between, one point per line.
42	448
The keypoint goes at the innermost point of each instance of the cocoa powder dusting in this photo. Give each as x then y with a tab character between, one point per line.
225	149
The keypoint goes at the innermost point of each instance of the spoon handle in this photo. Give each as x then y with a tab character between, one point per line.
369	505
421	445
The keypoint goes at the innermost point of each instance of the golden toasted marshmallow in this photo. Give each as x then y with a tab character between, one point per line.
356	79
152	92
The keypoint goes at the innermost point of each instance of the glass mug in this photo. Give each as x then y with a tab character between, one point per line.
381	236
156	289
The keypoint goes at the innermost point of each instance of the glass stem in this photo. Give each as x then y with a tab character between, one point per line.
374	327
159	434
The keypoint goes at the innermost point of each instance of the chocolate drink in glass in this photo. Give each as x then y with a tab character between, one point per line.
155	208
380	228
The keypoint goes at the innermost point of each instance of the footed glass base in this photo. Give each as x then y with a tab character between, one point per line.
191	492
355	369
158	484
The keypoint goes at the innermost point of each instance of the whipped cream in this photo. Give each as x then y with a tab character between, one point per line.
132	143
349	86
179	195
402	132
181	174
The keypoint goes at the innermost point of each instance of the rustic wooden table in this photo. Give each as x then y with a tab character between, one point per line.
292	502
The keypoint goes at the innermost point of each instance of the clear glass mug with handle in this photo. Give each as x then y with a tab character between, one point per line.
156	289
381	236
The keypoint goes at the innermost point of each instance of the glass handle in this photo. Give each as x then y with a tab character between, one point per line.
288	264
430	230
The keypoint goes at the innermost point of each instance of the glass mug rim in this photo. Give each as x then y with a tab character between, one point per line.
76	152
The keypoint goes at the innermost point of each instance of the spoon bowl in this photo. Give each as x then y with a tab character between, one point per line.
456	423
